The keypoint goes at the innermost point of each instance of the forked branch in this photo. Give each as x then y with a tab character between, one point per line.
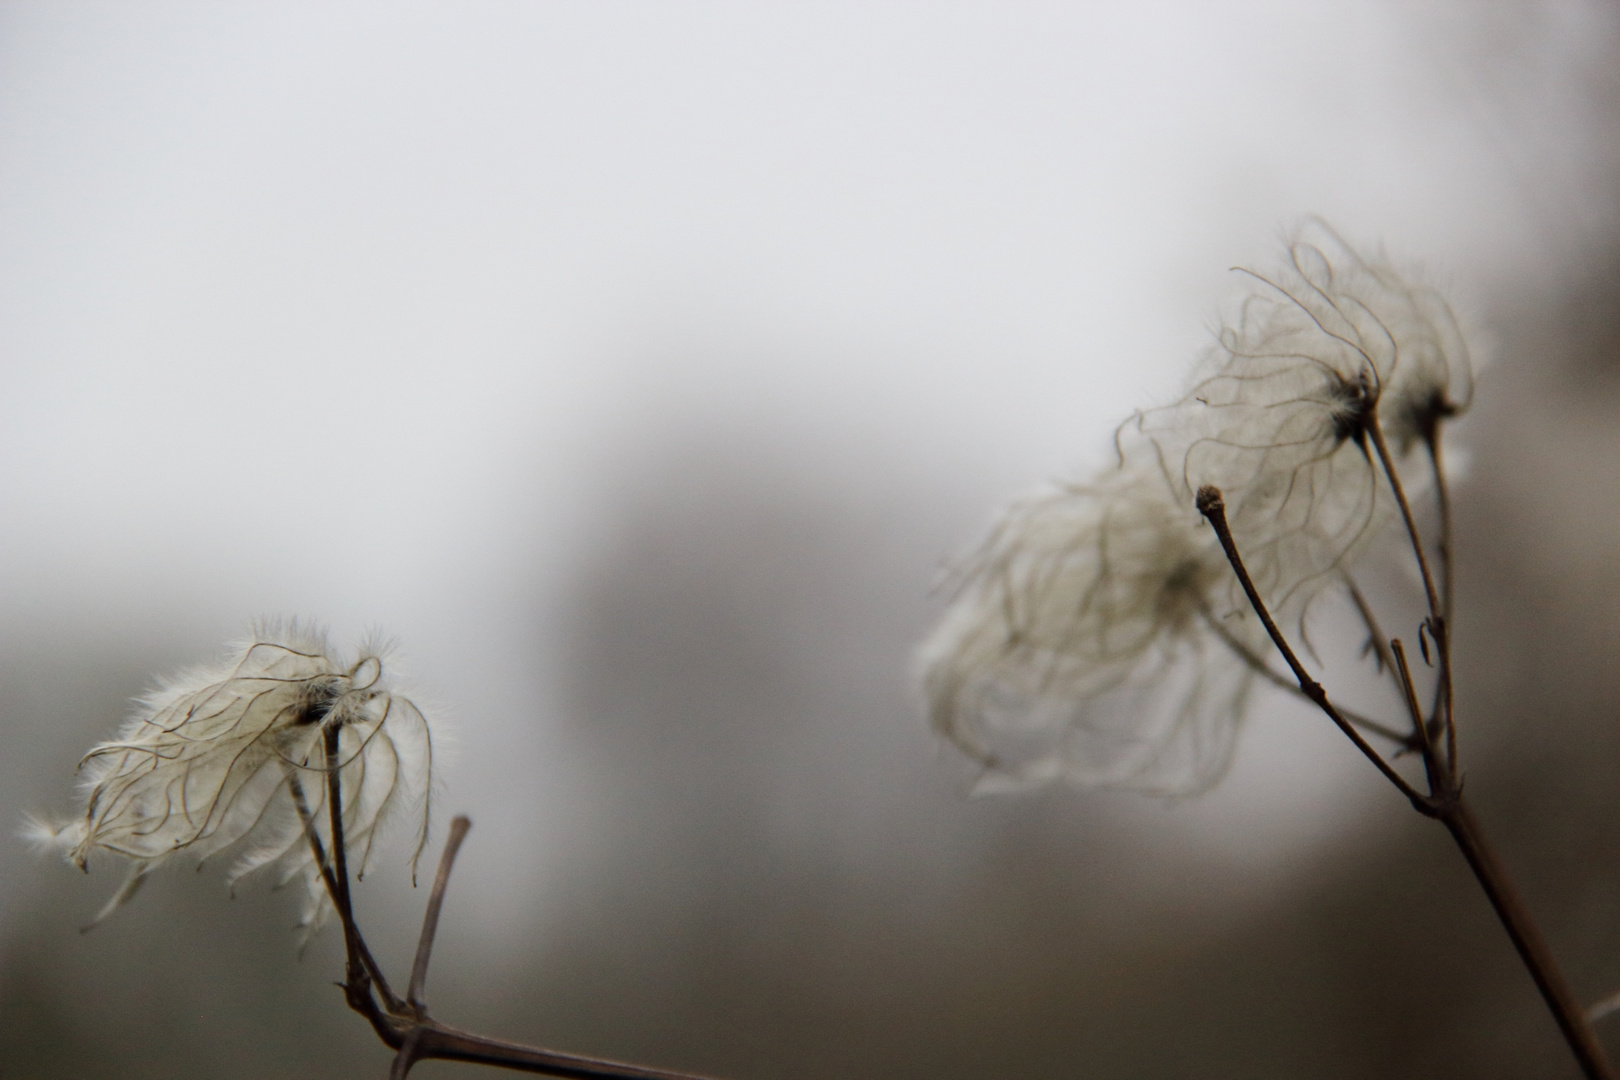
1444	800
405	1025
1258	665
1213	507
430	921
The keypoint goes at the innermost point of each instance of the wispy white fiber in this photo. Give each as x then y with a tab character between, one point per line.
1279	411
1080	643
1101	635
220	758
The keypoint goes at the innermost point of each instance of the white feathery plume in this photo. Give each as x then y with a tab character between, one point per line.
232	757
1082	643
1101	635
1278	416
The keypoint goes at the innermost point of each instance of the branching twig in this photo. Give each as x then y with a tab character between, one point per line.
1213	507
430	921
313	835
1442	784
1439	622
404	1025
1442	498
1265	671
1444	800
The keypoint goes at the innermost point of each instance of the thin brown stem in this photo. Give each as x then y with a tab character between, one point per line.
1442	785
1403	673
1446	803
409	1054
1532	947
1442	498
1384	456
362	969
1375	632
436	1040
405	1026
430	922
312	834
331	735
1439	625
1265	671
1213	507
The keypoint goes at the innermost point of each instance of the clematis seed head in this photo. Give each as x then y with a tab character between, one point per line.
232	758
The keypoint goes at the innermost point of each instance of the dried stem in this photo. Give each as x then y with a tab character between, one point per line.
1430	592
1375	633
1442	784
362	969
1444	801
1213	507
1439	621
1459	820
436	1040
404	1025
1265	671
430	922
313	835
1442	498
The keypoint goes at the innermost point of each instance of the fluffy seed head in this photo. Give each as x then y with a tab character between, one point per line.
1100	635
1081	643
1280	414
232	757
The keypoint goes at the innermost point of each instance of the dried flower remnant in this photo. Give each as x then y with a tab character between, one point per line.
234	757
1330	352
1291	446
299	757
1101	636
1083	643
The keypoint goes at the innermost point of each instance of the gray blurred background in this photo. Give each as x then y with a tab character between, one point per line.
638	367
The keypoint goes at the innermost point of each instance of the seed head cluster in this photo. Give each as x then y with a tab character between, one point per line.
1100	635
1079	646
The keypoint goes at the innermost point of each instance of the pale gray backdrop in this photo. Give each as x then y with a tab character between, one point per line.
638	366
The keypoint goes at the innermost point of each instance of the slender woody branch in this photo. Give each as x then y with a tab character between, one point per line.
1376	638
312	834
1431	593
1213	507
1445	800
1439	611
404	1025
1442	498
1443	786
1258	665
1532	948
430	921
